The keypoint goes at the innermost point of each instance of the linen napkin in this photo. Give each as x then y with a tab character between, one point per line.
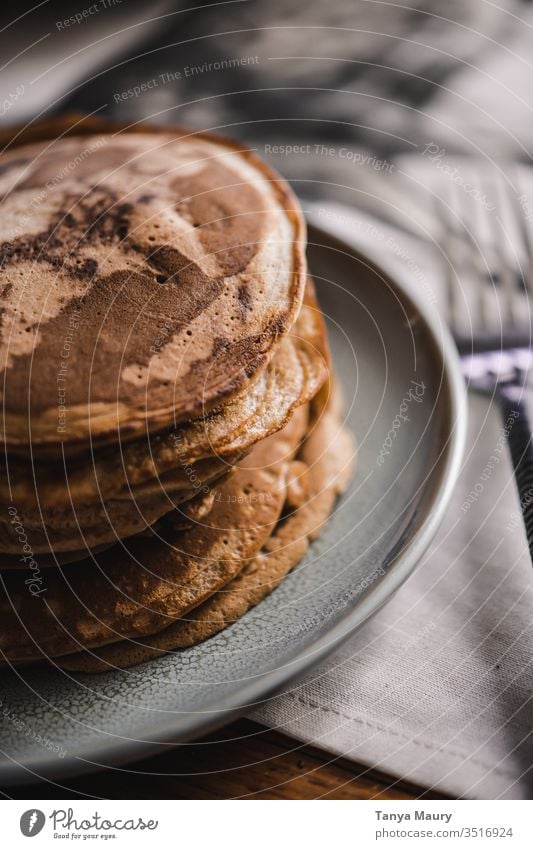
436	689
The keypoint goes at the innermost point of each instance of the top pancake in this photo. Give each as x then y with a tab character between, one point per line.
291	378
145	277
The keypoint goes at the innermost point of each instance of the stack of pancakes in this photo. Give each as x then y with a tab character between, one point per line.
172	434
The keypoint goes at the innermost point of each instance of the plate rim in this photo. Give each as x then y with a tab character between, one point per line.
259	689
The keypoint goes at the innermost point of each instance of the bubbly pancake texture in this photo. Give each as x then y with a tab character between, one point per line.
319	475
144	278
65	529
191	453
141	585
70	505
170	441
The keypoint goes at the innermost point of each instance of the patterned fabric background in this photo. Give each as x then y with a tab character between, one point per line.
381	77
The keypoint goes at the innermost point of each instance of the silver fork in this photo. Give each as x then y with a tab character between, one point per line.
488	249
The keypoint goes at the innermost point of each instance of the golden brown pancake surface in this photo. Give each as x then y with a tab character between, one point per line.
87	502
321	473
195	450
144	276
154	334
140	585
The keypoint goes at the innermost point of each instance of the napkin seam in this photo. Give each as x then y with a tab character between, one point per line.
384	730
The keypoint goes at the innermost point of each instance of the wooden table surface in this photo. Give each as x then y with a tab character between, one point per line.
243	760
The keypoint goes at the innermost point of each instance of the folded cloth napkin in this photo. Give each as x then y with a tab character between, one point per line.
436	689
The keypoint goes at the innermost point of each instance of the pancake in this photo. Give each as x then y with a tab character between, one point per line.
93	526
170	443
322	471
294	375
184	516
146	276
200	452
138	587
43	487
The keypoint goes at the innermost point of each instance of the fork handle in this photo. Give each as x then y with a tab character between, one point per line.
519	433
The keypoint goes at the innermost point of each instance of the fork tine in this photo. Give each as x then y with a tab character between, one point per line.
526	239
455	255
509	261
486	250
479	312
479	268
487	265
447	247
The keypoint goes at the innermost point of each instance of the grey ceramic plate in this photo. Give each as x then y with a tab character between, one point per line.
386	343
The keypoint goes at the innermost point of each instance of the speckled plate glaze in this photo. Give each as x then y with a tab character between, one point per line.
386	341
